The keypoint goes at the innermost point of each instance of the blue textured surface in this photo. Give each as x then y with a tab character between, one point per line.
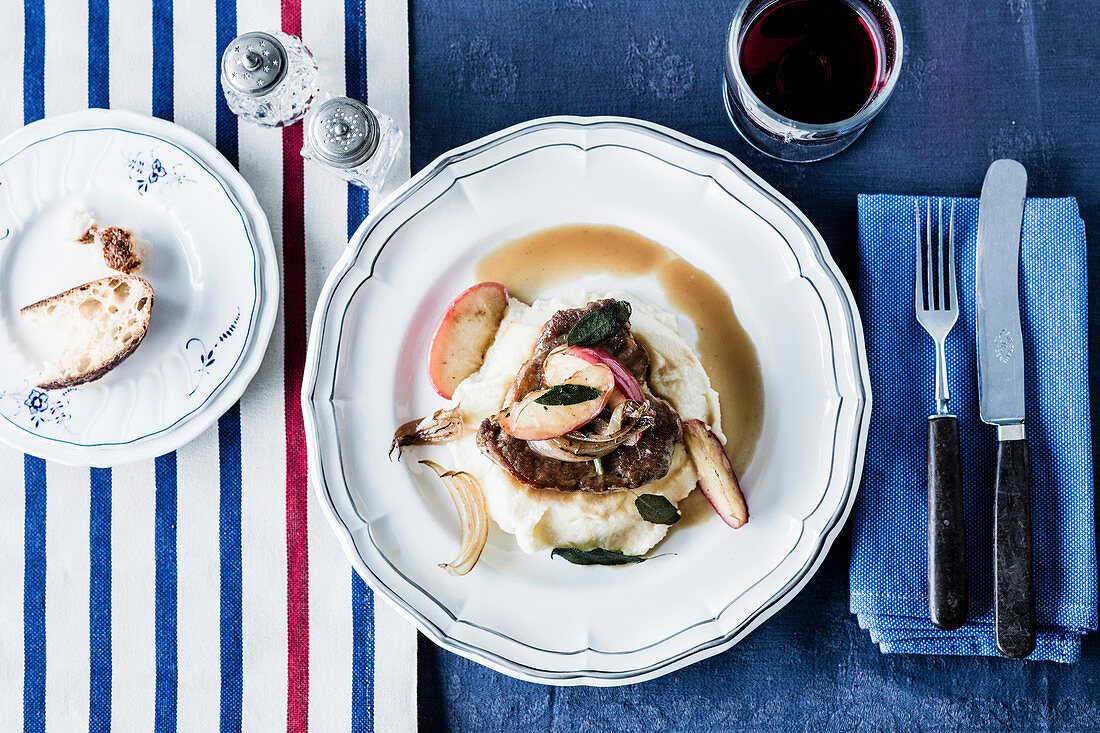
1002	78
889	578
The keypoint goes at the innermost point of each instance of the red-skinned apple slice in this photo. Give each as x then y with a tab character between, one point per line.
463	335
624	380
561	365
717	480
529	420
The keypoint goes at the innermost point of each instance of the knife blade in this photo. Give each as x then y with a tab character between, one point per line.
1001	400
1000	356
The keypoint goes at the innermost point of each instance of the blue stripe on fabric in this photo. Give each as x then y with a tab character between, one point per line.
34	594
100	479
229	450
164	542
99	87
164	524
164	105
225	122
362	656
34	469
362	600
34	60
229	437
99	601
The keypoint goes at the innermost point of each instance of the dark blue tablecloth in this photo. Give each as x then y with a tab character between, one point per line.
981	80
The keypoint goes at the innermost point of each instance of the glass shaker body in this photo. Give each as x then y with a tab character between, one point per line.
268	78
354	141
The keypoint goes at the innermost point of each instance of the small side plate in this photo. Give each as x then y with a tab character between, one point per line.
212	266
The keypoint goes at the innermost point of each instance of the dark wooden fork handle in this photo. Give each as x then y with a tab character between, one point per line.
947	587
1014	605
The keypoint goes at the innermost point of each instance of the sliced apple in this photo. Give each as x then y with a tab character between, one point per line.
624	380
464	334
530	420
560	365
716	478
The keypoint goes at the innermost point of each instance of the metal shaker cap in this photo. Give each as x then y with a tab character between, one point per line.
343	132
254	63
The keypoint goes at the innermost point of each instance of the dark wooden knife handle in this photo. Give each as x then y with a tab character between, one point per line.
947	588
1014	605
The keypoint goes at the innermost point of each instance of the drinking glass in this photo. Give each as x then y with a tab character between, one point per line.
792	140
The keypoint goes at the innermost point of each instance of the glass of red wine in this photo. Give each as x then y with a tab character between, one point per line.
805	77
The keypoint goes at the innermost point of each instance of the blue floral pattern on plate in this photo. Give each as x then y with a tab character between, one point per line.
147	169
40	406
207	356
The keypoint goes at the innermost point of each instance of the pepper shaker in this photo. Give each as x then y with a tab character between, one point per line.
268	78
354	141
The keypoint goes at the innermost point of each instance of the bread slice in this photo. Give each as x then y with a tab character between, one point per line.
92	327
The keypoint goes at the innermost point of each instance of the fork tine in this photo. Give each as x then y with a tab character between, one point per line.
941	263
918	287
930	286
951	259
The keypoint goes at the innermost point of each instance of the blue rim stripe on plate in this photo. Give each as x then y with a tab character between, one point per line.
34	469
99	601
362	598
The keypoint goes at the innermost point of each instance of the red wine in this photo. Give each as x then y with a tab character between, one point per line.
814	61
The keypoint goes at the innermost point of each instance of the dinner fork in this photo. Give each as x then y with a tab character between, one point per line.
937	309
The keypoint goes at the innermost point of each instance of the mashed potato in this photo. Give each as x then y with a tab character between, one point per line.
542	519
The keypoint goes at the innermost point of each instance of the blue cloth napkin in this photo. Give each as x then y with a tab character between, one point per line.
889	562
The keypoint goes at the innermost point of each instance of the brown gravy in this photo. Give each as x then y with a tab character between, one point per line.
526	266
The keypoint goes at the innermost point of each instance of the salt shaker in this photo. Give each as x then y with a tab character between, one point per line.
354	141
268	78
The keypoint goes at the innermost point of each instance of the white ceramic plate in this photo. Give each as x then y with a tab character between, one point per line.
527	615
212	267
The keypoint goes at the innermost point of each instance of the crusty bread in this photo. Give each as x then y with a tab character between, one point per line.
96	325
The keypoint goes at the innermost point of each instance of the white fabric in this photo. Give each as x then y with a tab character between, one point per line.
263	446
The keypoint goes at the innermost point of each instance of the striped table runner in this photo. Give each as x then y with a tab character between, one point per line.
201	591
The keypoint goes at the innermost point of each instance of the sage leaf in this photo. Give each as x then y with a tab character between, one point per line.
599	325
568	394
599	556
656	509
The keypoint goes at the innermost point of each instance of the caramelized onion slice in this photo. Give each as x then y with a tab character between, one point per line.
552	449
473	517
627	422
442	427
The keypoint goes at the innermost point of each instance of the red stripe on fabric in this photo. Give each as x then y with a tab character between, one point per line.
294	314
297	538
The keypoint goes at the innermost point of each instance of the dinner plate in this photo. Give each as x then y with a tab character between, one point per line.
530	616
212	266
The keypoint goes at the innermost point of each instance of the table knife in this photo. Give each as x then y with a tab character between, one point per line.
1001	399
